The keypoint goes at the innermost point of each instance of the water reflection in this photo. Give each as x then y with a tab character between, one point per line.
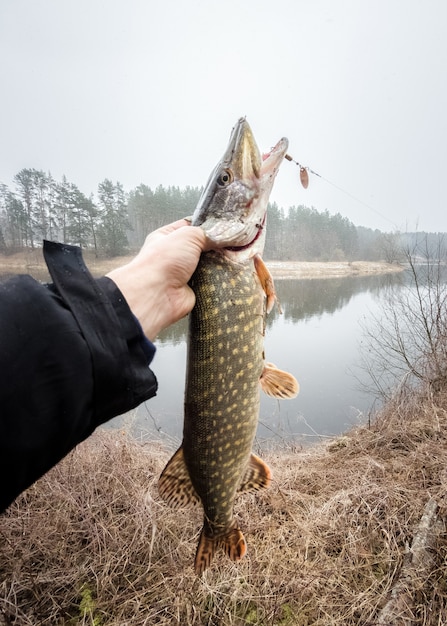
302	299
316	338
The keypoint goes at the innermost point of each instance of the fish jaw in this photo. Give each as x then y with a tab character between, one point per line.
232	208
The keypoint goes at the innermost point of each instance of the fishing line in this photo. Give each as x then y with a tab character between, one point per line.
304	178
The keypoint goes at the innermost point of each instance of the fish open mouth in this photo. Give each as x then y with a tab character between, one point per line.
269	168
233	204
273	159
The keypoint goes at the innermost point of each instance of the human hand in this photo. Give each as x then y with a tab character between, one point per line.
155	282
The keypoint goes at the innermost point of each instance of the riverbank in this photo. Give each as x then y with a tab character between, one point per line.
329	269
31	261
350	532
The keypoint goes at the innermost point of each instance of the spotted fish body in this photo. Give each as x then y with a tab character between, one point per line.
228	354
226	366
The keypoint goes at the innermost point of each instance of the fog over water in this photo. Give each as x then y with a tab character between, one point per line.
147	92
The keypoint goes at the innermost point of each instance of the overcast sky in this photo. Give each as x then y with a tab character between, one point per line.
145	91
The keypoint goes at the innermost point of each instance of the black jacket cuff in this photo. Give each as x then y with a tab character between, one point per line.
122	377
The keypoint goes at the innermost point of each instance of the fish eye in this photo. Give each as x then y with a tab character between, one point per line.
225	178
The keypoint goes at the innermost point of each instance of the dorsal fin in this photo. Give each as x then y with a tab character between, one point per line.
174	484
278	384
257	475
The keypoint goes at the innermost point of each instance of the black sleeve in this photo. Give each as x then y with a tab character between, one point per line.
72	356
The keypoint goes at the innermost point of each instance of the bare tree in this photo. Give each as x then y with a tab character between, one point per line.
391	247
406	343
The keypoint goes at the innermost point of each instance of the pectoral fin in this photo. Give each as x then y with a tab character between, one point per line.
257	475
174	484
278	384
267	283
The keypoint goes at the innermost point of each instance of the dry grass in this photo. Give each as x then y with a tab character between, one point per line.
91	543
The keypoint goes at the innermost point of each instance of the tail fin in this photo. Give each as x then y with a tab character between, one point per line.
233	542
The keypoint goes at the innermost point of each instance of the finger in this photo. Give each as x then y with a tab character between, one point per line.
189	299
170	228
192	235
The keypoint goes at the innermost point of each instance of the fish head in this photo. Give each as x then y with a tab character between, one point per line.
232	208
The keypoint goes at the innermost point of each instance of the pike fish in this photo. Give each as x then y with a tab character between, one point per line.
226	367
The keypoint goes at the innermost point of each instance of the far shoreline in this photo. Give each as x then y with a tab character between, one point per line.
31	261
330	269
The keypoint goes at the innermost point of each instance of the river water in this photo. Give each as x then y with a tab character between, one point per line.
317	338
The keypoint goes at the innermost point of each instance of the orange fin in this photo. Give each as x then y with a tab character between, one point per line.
267	283
233	542
257	475
278	384
174	484
205	552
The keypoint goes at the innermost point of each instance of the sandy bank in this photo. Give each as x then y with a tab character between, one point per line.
329	269
32	261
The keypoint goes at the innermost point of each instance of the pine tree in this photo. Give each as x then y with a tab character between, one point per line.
113	218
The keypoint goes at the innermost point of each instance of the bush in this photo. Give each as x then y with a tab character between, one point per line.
406	344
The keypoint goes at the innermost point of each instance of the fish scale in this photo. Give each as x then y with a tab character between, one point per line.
228	353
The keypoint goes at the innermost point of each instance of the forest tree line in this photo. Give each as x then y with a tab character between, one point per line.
115	222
